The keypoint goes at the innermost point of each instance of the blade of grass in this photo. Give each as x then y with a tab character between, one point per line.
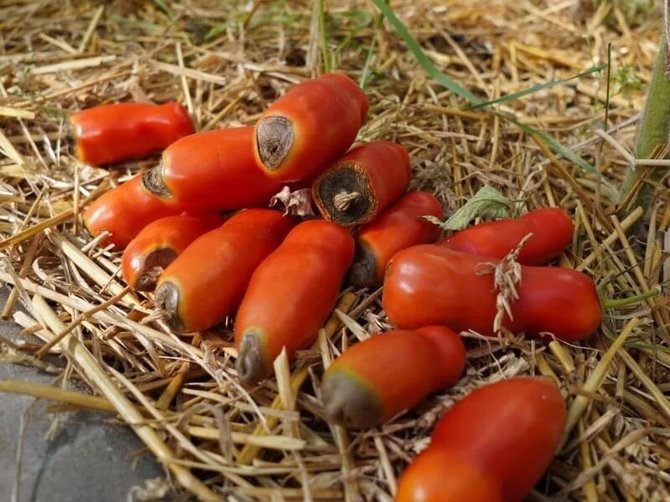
323	36
538	87
561	150
454	87
420	55
608	82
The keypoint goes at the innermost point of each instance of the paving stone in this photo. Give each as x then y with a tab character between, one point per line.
87	457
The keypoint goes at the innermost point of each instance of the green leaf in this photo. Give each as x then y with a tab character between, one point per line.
420	55
538	87
487	203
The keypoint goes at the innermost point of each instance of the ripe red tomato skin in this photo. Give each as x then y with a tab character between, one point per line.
435	475
290	295
113	133
124	211
376	379
430	284
325	115
399	227
551	227
214	170
507	431
161	240
383	173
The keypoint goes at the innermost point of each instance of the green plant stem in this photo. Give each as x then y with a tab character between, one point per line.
612	303
323	35
653	130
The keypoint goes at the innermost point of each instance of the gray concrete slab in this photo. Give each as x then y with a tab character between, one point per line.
86	458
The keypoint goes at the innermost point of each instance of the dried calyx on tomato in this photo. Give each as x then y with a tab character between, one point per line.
112	133
364	182
430	284
315	122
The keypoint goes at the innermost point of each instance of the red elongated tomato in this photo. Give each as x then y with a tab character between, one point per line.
315	122
290	296
158	244
378	378
360	185
430	284
212	170
399	227
551	227
493	445
113	133
206	282
124	211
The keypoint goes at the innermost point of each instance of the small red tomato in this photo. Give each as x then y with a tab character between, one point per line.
493	445
430	284
309	127
551	227
113	133
158	244
211	170
124	211
378	378
290	296
399	227
207	281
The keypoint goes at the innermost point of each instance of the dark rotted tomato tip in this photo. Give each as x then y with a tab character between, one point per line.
343	196
250	364
153	182
363	273
167	300
274	139
349	403
154	265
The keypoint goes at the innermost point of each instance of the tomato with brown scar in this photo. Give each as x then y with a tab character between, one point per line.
205	284
290	296
378	378
303	131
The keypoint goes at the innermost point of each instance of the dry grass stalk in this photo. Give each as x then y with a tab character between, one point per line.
227	64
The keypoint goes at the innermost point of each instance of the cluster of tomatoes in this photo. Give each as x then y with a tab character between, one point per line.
280	277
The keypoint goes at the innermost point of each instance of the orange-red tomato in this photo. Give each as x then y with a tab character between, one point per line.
207	281
399	227
378	378
309	127
493	445
158	244
290	296
430	284
124	211
362	183
437	475
551	227
112	133
212	170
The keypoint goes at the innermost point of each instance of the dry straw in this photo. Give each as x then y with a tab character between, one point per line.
226	61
